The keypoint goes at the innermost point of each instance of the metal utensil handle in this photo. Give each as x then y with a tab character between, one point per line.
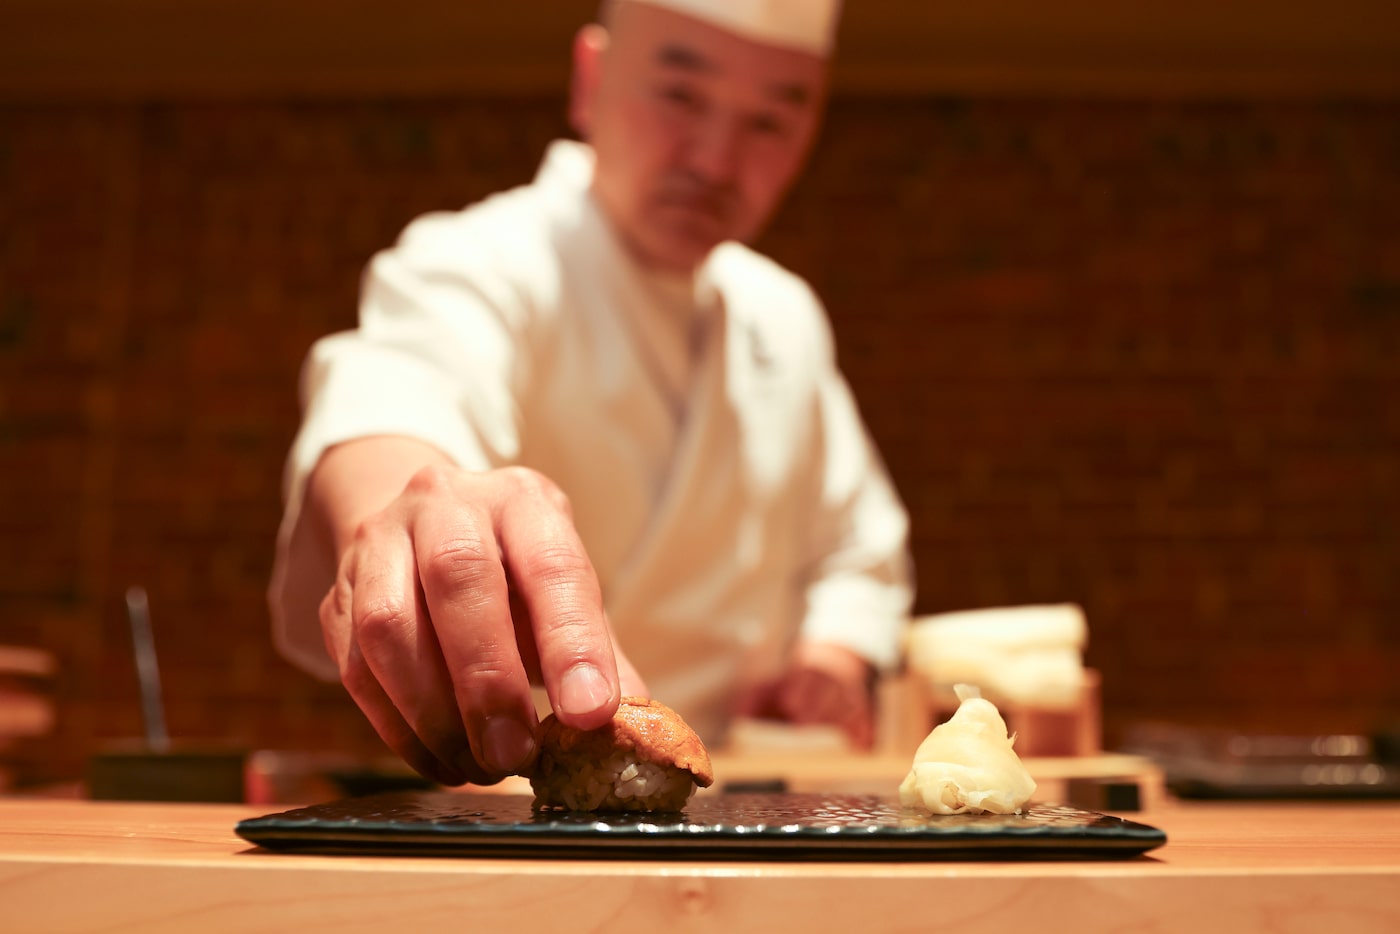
147	670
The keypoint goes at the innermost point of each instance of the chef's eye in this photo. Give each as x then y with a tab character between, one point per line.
682	97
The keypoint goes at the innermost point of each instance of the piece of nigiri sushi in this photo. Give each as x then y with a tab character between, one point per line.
967	764
646	759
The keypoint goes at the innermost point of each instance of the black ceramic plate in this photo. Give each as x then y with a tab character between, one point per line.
713	826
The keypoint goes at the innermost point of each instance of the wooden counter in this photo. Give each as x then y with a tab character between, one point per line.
85	866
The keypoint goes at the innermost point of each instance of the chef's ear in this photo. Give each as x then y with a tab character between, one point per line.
589	47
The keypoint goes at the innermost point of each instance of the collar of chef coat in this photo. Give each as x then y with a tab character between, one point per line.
672	313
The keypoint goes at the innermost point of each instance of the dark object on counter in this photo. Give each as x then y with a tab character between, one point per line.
755	786
1385	744
1204	763
1104	794
139	774
368	780
154	769
717	826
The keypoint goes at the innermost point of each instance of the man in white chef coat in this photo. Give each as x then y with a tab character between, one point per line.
584	438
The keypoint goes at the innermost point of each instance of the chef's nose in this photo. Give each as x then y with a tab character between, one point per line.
715	150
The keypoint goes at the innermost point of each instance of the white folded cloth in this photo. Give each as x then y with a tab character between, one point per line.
1023	654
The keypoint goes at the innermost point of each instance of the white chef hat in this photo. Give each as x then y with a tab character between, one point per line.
806	25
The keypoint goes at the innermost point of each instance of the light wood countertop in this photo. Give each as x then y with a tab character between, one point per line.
88	866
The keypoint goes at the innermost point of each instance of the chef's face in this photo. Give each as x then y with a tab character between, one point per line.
698	132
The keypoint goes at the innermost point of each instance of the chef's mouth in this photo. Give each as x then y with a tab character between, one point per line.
690	196
710	211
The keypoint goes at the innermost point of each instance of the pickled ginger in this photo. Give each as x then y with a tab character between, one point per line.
967	765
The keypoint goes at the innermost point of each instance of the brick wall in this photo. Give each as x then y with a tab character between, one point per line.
1137	355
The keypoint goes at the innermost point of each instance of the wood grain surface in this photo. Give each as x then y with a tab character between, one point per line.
87	866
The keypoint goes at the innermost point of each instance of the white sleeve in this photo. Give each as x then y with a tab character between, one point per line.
860	587
435	359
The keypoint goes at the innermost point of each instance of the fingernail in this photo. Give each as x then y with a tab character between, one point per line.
509	744
583	690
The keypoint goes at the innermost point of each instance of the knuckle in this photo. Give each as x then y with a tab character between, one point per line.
385	618
364	532
485	669
565	593
486	680
430	479
526	481
557	565
367	530
523	477
459	564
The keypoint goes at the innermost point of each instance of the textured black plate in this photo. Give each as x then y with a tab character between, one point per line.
713	826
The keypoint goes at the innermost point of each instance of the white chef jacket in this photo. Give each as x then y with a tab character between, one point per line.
720	476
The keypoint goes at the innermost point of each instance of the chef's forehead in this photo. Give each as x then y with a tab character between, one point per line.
798	25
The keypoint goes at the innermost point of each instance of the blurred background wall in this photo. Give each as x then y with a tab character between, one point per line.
1117	285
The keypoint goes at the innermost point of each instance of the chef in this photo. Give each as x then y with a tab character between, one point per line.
585	438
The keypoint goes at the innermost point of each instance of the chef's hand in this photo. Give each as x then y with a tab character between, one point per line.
824	685
452	598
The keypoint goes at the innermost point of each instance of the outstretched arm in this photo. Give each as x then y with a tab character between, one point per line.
453	590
